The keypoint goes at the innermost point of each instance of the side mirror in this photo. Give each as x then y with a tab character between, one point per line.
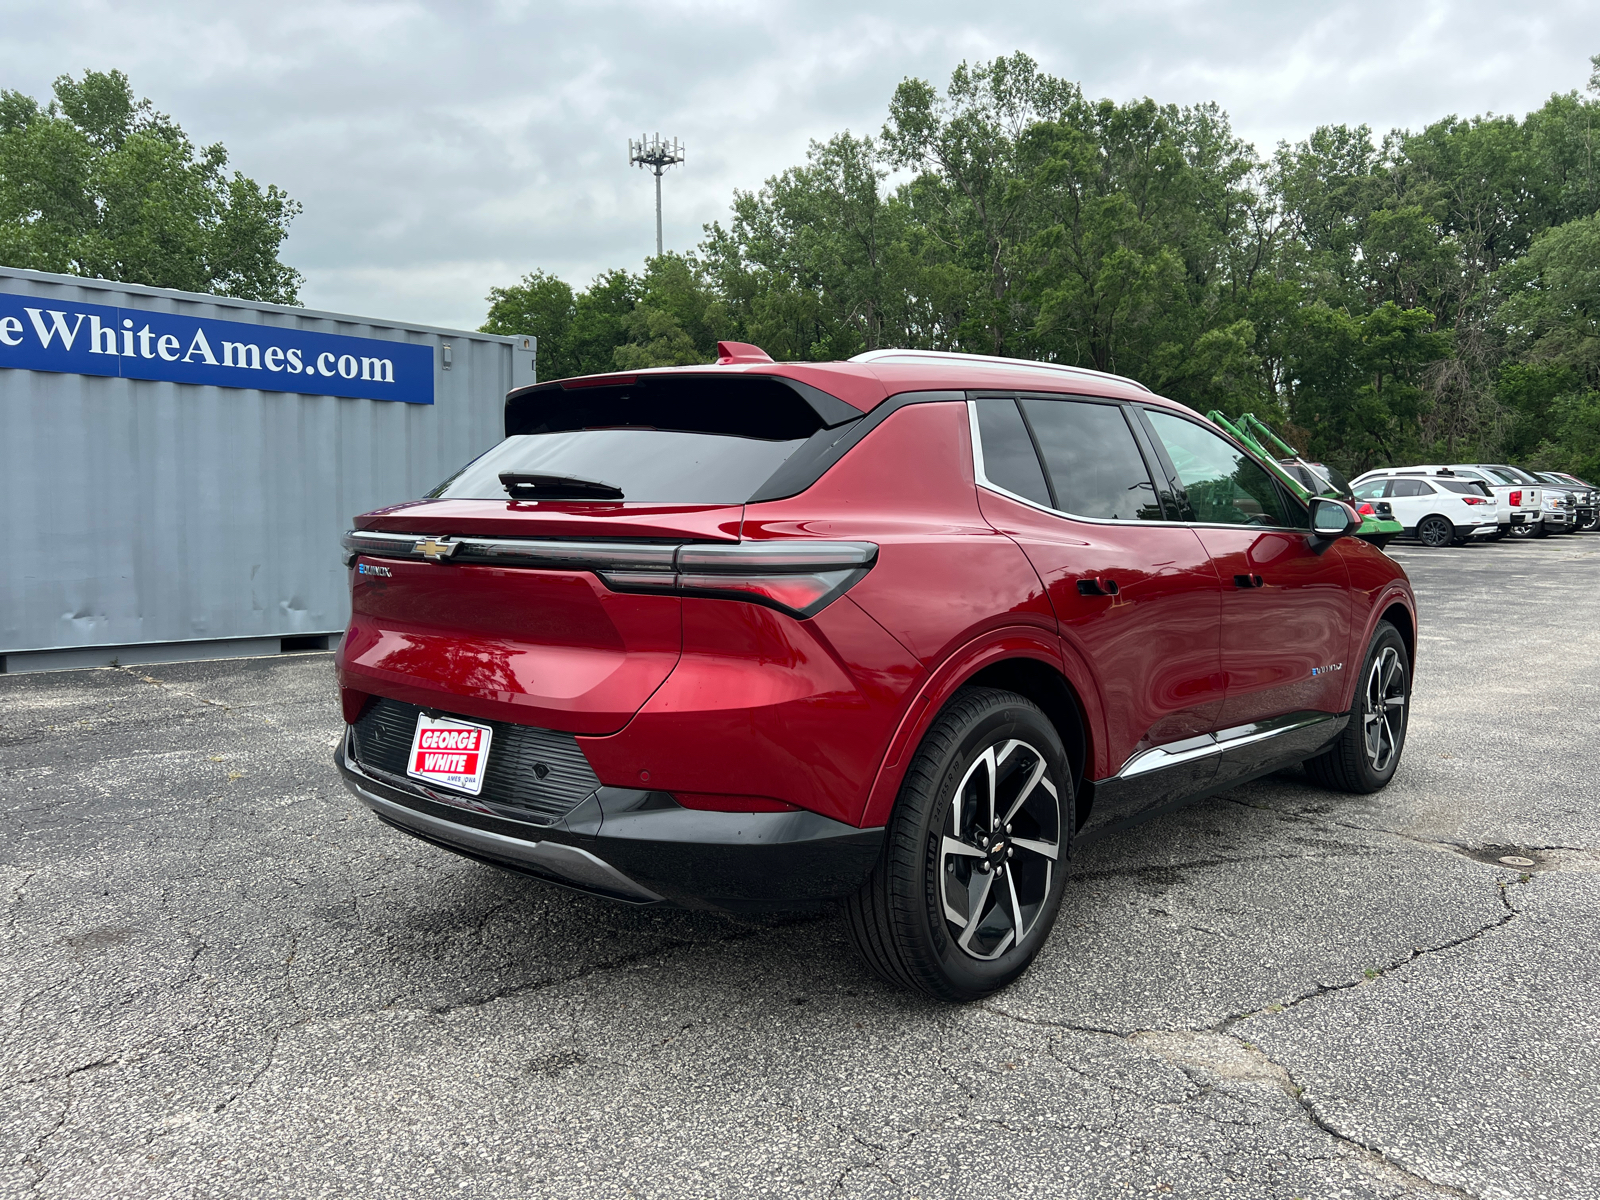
1330	520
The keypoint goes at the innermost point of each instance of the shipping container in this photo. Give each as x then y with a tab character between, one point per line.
176	469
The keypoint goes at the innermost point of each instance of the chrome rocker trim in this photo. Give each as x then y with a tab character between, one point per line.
1172	754
1163	778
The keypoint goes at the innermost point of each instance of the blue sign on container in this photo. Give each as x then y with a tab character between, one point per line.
93	339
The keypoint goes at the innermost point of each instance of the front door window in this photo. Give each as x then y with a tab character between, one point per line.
1286	601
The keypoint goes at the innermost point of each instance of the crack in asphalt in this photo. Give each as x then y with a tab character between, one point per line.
1322	821
1159	1043
1206	1095
31	1159
666	948
1371	975
877	1153
447	1010
1226	1028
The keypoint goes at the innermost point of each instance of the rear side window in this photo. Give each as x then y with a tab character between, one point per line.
1009	459
1463	487
1095	466
668	439
1222	484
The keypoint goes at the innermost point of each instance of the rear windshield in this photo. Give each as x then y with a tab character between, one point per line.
1512	474
669	439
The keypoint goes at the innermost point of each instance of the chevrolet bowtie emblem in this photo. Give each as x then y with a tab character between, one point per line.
436	548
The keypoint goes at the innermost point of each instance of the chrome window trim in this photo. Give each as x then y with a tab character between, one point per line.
983	481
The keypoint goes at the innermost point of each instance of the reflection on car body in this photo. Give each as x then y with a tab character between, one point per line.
902	632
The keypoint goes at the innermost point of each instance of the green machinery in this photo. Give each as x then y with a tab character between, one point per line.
1306	479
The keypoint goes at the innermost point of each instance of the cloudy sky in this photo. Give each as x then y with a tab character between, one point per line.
440	149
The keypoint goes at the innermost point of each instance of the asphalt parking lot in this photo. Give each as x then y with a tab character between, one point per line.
223	978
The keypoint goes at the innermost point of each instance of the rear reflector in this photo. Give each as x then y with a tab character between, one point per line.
797	576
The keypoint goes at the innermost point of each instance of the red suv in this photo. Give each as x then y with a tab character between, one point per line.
902	631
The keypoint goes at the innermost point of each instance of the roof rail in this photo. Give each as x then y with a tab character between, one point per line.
872	356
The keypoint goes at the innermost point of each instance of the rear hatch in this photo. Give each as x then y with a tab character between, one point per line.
522	588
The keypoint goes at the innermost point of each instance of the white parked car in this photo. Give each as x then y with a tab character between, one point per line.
1437	509
1519	505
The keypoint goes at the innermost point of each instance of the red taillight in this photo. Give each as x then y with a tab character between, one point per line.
1515	498
795	575
1366	510
1472	500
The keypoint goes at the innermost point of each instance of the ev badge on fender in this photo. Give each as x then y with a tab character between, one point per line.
452	753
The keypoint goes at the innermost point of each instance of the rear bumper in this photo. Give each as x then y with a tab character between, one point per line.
640	847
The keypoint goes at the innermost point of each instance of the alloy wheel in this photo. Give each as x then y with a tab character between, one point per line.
998	849
1435	532
1383	713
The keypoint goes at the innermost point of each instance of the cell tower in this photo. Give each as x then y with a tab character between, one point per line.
657	156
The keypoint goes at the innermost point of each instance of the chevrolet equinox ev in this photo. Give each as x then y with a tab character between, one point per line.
901	632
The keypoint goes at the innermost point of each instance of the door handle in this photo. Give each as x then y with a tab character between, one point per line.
1249	581
1098	587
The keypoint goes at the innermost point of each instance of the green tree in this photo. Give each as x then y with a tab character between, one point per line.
541	305
1421	294
98	184
1550	317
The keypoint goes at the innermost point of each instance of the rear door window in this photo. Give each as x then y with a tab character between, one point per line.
1010	460
1409	487
1222	484
668	439
1095	467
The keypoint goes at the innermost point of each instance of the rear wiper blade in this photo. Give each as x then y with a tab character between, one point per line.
525	485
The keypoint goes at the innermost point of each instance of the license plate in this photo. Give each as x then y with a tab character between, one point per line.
449	752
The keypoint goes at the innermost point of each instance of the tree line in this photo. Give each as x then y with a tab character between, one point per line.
99	184
1430	295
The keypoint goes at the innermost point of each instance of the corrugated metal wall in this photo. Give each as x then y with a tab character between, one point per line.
151	512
